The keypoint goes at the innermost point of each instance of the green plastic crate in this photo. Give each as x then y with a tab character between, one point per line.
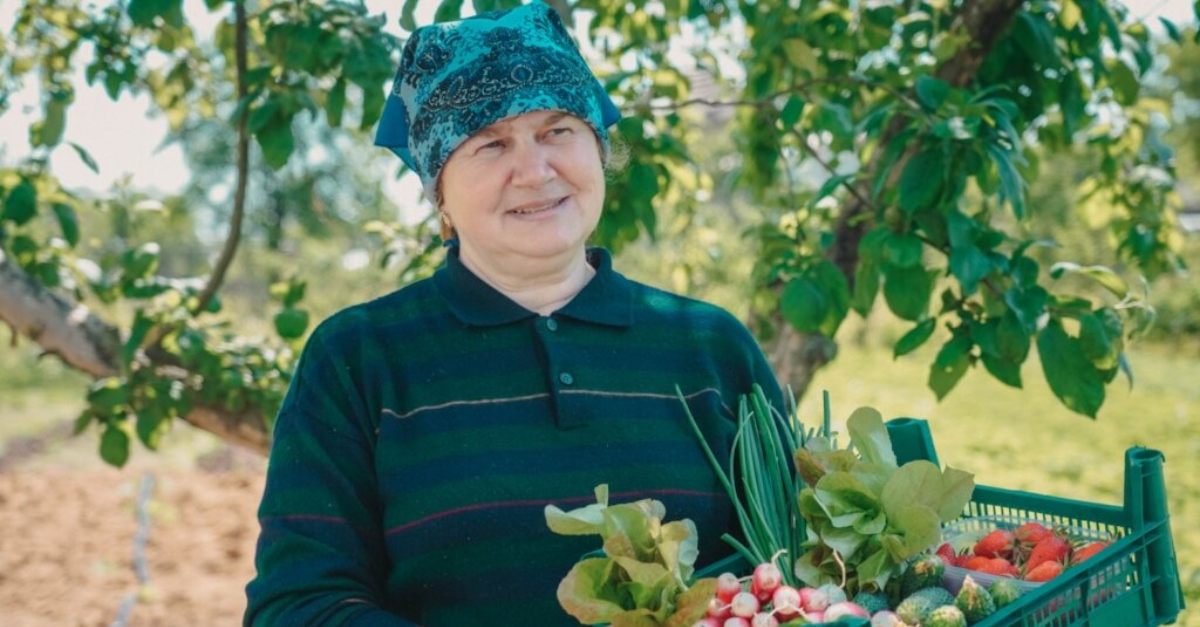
1133	583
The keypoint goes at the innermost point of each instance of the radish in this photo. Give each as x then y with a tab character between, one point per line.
743	605
815	616
813	599
708	622
886	618
834	593
763	619
842	609
765	580
728	585
736	621
786	602
717	609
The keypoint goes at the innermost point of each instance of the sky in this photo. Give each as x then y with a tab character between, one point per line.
126	142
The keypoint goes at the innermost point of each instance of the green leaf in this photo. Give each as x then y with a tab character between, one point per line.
830	185
585	591
1094	339
140	262
1124	83
915	337
907	291
932	92
49	131
586	520
291	323
866	286
692	605
151	427
804	304
1034	35
137	334
408	19
21	204
335	103
1172	29
845	499
921	182
143	12
643	181
1071	375
837	295
951	363
448	11
68	222
114	445
969	265
903	251
1005	371
1027	304
277	143
870	436
108	395
791	112
85	157
1108	279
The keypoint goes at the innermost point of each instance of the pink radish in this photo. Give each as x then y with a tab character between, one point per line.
728	585
786	602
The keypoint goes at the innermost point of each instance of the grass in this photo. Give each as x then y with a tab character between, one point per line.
1019	439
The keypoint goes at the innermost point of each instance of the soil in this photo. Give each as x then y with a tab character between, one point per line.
157	543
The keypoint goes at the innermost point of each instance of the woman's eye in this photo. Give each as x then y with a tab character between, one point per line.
496	144
561	130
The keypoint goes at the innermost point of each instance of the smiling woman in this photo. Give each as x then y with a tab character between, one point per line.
425	432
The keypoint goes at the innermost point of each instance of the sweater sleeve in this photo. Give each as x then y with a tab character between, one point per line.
320	557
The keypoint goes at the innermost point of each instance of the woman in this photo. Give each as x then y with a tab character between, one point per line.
424	432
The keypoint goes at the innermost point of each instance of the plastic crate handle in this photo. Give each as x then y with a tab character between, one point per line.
1146	503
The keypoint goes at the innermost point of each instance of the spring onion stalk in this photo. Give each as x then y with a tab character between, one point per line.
768	503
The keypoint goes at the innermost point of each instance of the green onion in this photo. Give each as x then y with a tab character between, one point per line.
768	506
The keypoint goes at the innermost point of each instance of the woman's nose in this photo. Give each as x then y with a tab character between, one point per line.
531	165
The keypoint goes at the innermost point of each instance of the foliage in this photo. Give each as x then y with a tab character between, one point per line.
644	578
866	514
887	148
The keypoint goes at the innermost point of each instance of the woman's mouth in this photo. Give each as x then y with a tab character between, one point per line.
538	207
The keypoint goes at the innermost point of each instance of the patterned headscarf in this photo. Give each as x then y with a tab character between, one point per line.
457	78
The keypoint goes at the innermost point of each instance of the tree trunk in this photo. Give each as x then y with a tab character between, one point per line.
73	333
797	356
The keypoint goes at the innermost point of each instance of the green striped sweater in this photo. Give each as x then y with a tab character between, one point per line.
425	432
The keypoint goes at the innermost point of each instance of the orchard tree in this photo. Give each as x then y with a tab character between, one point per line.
926	122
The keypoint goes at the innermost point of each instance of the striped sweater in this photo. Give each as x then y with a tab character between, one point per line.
425	432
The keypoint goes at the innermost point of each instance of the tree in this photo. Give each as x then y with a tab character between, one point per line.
925	121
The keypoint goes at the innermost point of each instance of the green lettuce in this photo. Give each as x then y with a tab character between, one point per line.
865	514
644	576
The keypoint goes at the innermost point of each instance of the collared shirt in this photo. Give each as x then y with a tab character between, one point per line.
425	432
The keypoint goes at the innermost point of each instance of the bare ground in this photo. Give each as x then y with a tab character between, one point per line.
158	543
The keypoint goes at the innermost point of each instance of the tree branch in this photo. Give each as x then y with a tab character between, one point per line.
88	343
234	237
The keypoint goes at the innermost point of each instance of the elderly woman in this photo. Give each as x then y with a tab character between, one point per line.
425	432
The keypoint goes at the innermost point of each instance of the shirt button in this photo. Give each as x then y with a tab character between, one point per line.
566	378
552	324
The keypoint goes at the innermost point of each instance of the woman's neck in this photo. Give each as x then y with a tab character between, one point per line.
540	286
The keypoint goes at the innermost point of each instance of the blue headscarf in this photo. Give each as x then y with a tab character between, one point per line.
457	78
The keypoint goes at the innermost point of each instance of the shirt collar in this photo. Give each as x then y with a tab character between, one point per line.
606	299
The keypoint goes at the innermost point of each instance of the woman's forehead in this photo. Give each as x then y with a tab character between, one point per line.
531	119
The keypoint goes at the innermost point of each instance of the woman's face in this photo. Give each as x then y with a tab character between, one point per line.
525	188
